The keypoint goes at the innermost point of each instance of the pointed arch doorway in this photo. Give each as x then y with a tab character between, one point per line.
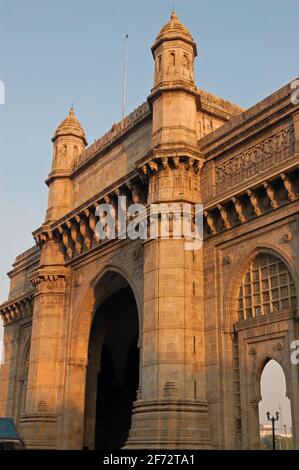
113	365
266	320
274	399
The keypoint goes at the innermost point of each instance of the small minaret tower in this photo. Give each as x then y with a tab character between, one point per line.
171	410
68	141
173	96
51	275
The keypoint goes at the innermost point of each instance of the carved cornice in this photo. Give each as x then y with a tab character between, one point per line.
177	149
258	158
14	310
49	279
281	315
76	232
250	125
250	203
56	174
46	278
170	86
160	160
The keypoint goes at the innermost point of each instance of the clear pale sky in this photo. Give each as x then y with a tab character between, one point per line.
55	52
273	392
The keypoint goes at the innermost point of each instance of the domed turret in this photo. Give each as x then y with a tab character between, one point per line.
69	141
173	96
174	30
174	51
70	126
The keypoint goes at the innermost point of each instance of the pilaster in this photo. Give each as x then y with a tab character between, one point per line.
39	424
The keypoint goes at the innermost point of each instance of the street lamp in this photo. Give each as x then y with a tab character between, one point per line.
273	419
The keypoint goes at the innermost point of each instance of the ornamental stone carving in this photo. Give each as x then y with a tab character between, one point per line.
256	159
14	310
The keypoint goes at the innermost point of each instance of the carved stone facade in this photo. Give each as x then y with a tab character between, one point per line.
141	343
258	158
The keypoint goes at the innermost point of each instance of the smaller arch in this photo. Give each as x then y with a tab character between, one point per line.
231	291
273	391
281	360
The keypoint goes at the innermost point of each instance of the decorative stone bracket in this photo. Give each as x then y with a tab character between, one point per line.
252	202
14	310
167	161
76	232
49	281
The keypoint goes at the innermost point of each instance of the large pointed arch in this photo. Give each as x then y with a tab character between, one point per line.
84	314
246	353
113	366
231	290
110	279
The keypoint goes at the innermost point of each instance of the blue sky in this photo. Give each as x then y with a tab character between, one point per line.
55	52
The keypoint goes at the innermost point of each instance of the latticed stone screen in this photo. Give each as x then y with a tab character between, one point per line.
266	288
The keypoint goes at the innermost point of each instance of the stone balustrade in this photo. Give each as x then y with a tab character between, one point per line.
252	202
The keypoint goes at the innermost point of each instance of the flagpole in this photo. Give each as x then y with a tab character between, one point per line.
125	78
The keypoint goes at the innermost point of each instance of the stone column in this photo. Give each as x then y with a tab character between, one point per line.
171	410
39	423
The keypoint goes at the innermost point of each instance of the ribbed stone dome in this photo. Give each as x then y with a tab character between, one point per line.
70	126
172	30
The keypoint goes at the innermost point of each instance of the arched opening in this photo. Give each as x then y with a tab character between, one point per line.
274	399
113	365
266	302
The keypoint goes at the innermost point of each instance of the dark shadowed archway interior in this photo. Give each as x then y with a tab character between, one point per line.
113	370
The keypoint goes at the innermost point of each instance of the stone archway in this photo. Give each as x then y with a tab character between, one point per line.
231	289
274	398
78	425
261	306
112	375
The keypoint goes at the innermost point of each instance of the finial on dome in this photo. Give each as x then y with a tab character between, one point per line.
70	126
174	30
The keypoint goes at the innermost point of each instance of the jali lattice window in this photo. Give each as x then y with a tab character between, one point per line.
267	287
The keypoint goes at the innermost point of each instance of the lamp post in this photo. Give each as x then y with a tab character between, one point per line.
273	419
